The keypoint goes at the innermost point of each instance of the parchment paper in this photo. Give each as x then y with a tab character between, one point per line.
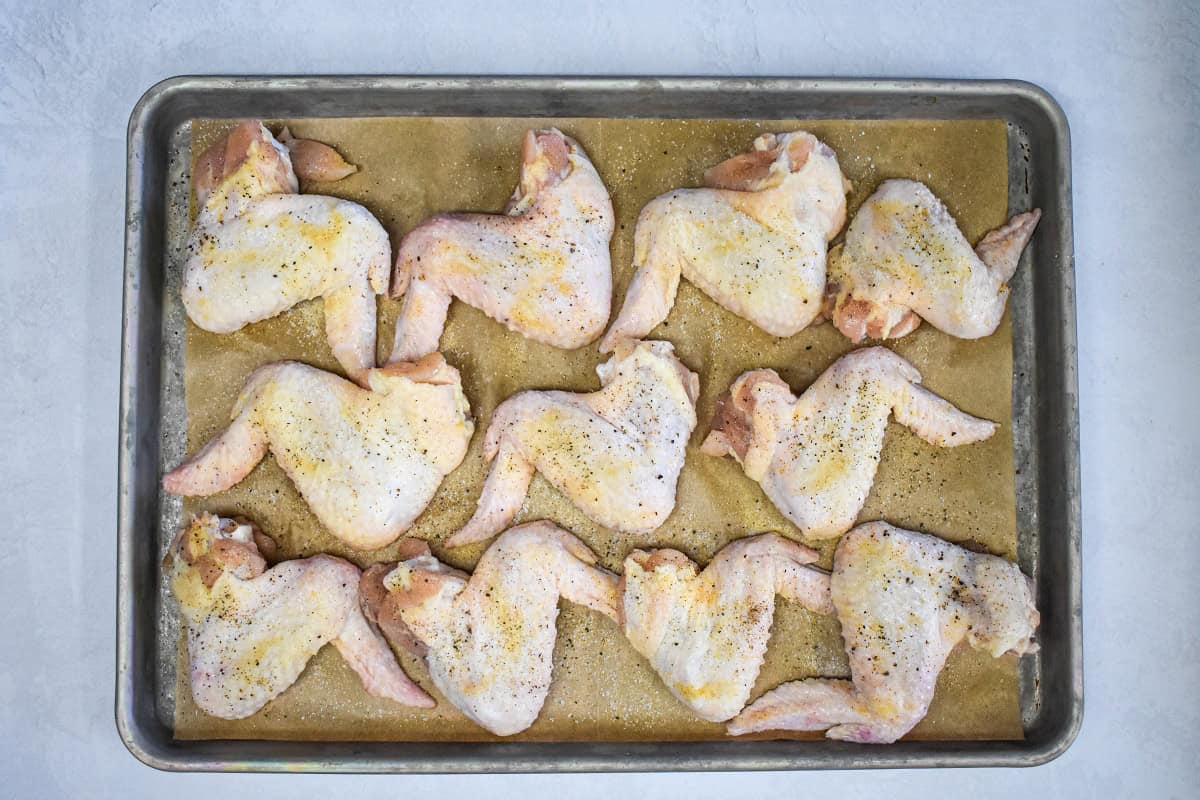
410	168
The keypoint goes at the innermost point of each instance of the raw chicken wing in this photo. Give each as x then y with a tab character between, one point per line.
367	461
815	456
251	630
542	267
258	248
706	632
616	453
753	240
488	638
905	260
904	600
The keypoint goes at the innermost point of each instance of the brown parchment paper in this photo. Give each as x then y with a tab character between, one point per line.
410	168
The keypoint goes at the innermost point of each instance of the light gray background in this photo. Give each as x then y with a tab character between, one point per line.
1127	74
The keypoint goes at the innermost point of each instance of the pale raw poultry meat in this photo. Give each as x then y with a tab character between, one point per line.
905	259
252	629
367	461
542	268
488	638
615	453
904	600
257	247
705	631
753	239
815	455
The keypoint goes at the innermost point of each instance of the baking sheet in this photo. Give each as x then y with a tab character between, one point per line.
412	167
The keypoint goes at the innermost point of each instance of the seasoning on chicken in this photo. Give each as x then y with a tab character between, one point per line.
257	248
615	453
904	600
905	260
753	239
815	455
251	630
705	632
542	268
367	461
488	638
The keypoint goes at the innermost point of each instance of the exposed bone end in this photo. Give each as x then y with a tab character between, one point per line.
765	166
651	560
545	163
431	369
732	423
214	545
861	319
382	612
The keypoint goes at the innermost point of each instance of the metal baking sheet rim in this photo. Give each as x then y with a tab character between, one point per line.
1046	427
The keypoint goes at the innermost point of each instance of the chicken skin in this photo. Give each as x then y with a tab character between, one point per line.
904	600
706	632
367	461
542	268
815	456
258	248
616	453
905	260
488	638
753	239
251	630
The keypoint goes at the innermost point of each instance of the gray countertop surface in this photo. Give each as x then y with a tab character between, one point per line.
1127	75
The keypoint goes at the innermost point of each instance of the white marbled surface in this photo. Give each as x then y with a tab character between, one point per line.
1127	74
